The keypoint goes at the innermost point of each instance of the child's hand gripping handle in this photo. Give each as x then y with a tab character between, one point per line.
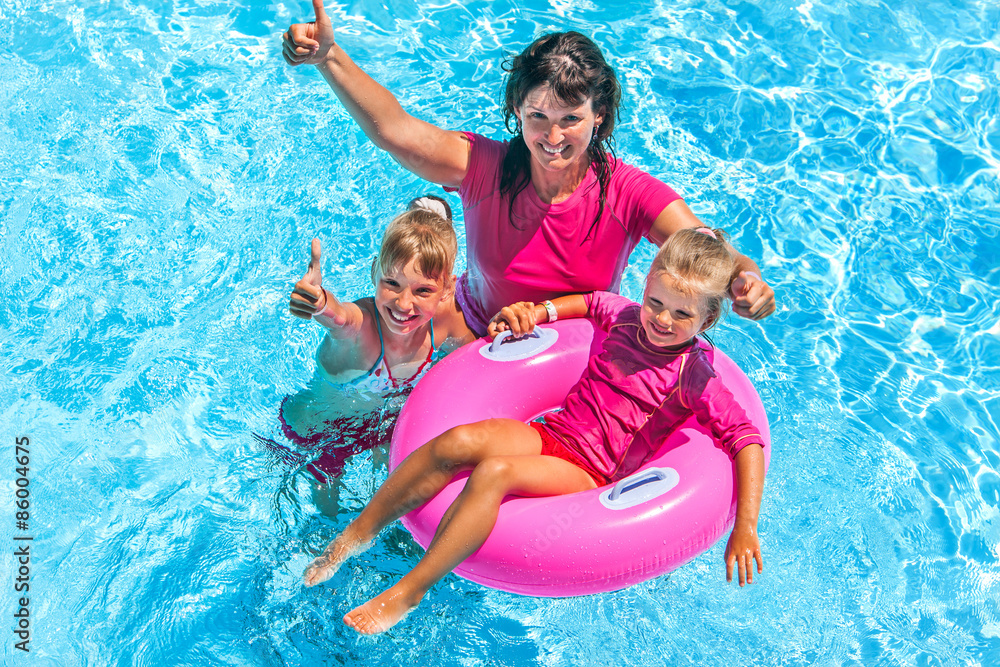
520	318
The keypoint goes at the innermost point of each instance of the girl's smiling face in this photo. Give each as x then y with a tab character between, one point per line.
406	299
556	134
669	315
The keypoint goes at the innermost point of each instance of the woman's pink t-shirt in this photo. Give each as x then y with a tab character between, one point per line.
548	252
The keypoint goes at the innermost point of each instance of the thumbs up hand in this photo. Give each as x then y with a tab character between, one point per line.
308	43
309	299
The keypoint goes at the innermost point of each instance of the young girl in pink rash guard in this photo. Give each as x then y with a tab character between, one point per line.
648	378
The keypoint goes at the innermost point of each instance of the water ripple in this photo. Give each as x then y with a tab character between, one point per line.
161	175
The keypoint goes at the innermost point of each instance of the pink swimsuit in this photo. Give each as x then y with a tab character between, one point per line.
333	442
633	394
550	249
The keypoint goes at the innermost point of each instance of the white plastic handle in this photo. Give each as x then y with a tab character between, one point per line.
639	488
506	347
634	481
504	335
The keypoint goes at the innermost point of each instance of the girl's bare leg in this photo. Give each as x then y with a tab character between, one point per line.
419	478
470	520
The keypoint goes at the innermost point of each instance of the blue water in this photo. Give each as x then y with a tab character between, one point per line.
162	172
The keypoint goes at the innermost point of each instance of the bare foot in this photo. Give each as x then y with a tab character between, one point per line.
343	547
381	612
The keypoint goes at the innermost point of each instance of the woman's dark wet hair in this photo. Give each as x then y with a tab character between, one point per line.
574	68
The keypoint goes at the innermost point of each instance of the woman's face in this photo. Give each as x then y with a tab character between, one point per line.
557	135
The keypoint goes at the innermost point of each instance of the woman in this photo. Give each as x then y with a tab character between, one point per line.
548	213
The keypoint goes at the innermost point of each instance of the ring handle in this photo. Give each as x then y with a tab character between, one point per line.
506	347
504	335
629	483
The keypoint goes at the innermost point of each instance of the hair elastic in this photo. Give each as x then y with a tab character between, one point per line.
550	308
432	205
706	231
326	303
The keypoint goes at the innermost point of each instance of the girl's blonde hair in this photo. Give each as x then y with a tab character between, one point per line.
699	264
422	232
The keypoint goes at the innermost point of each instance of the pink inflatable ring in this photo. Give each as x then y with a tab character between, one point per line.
610	538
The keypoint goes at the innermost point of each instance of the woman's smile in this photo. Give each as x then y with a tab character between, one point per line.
557	134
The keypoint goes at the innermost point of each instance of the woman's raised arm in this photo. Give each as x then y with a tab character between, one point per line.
434	154
752	297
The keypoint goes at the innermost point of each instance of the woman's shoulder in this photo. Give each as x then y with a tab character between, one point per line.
638	190
483	145
625	172
485	160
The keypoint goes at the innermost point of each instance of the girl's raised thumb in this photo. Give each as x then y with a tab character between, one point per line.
315	272
320	12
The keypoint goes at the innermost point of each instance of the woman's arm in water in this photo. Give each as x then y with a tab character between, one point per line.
521	317
752	297
434	154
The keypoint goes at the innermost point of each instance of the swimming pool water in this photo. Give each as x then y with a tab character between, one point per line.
162	172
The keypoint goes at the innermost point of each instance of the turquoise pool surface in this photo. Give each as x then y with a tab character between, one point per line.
162	172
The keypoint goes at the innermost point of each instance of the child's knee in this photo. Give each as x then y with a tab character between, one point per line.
457	446
492	472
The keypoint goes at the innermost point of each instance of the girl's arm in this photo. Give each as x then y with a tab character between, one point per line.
310	301
434	154
744	546
521	317
752	297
